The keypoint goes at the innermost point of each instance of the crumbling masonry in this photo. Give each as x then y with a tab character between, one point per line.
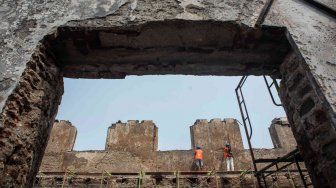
132	147
43	41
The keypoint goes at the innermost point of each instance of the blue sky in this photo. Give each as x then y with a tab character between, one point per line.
172	102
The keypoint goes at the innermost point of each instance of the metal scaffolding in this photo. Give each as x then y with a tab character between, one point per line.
178	178
196	178
290	158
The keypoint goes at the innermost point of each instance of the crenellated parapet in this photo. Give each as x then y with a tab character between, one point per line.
281	134
138	138
62	137
135	144
214	134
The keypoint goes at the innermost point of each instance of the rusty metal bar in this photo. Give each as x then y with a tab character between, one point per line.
160	173
140	178
242	103
270	173
269	86
170	173
178	179
248	136
264	178
300	172
271	160
288	156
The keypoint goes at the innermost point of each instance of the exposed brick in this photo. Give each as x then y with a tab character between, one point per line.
312	127
295	82
309	31
329	151
26	122
305	90
307	105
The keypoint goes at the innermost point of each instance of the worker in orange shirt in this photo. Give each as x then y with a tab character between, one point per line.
228	157
199	158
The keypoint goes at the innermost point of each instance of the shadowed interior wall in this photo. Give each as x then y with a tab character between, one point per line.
170	47
310	31
27	119
314	125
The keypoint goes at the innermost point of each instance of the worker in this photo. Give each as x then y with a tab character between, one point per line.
228	157
199	158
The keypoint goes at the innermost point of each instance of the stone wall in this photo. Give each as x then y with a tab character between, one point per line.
215	134
26	121
138	138
314	125
132	147
24	24
62	137
281	134
212	136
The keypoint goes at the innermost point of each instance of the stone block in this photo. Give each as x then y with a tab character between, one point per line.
281	134
62	137
139	138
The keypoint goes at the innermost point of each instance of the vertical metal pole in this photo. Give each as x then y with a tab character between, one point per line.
140	179
64	178
247	135
291	179
247	115
178	179
300	172
276	84
216	179
264	180
101	181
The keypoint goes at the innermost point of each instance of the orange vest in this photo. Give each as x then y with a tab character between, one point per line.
198	154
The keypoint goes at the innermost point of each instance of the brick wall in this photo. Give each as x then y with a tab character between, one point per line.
313	126
27	119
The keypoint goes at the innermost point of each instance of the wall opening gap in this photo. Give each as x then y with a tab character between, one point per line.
173	102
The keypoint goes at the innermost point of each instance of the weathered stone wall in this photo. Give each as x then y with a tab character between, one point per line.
26	121
310	30
308	84
174	160
314	126
100	161
215	134
212	136
62	137
86	168
184	45
129	150
138	138
281	134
